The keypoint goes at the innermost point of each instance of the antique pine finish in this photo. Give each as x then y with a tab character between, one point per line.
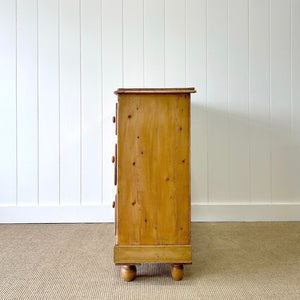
152	174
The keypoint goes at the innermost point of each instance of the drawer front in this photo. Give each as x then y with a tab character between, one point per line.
116	130
116	164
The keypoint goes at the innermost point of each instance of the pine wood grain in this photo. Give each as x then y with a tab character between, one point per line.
155	90
153	178
151	254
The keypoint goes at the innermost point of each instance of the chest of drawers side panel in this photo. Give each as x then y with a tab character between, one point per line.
153	176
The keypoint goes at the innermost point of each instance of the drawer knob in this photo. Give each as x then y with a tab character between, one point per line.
113	204
114	119
113	159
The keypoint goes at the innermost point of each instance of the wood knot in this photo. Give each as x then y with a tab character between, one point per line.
183	160
133	163
129	116
180	128
146	220
167	179
133	203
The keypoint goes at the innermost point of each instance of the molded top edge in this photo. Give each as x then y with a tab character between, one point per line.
154	90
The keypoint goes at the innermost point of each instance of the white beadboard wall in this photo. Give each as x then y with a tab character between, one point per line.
61	60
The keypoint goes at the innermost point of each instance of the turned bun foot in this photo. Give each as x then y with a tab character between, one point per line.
128	272
177	271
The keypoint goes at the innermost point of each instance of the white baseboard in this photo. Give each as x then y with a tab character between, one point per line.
104	213
245	212
56	214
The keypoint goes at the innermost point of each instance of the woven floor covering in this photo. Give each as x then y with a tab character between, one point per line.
75	261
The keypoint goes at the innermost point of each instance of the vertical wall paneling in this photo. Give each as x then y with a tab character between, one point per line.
61	61
259	100
196	77
175	43
27	110
70	102
133	43
91	101
8	176
238	100
280	55
295	60
217	100
295	94
48	101
112	59
154	43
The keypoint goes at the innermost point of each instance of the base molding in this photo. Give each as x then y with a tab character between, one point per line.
245	212
181	254
57	214
105	213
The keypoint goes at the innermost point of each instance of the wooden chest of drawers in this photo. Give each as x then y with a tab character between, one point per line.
152	174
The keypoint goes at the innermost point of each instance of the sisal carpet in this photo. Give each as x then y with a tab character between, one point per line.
74	261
